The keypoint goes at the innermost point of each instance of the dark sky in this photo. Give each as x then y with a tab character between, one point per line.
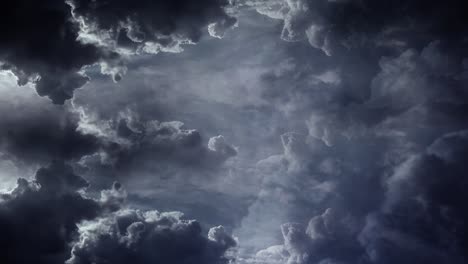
233	131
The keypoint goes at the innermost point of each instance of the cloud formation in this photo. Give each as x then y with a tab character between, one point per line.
42	221
83	33
423	217
349	152
38	218
334	26
143	237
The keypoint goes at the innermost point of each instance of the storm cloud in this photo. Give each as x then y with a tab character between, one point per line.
142	237
42	221
39	217
48	43
305	132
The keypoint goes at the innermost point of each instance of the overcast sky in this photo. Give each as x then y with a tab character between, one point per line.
233	131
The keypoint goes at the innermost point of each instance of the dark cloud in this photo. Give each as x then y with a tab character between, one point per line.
152	25
171	142
145	237
38	219
334	26
131	147
42	222
42	43
424	216
372	124
352	144
328	238
35	133
39	43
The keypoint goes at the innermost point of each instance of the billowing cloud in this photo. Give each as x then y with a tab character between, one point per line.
150	236
42	221
423	217
38	218
335	26
41	135
130	145
349	152
38	43
328	238
50	43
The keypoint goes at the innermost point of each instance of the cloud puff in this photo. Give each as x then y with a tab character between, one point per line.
150	236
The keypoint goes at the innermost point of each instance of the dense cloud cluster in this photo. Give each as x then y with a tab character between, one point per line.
49	43
38	218
42	222
150	26
349	151
130	145
423	218
39	43
36	134
328	238
374	110
148	237
334	26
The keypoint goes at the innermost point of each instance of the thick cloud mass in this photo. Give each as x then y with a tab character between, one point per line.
41	135
148	237
318	132
424	215
130	146
38	219
152	25
41	222
38	43
41	43
333	26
